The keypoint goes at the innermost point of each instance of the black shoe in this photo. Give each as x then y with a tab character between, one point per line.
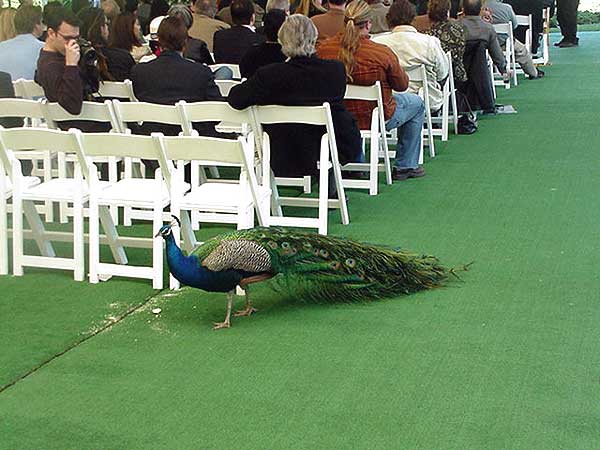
557	44
540	74
567	44
405	174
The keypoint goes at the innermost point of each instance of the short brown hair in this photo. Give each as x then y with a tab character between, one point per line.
26	18
437	10
122	33
172	34
402	12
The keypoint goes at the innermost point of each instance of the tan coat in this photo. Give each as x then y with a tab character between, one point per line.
204	28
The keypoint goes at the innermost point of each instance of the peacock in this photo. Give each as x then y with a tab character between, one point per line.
321	267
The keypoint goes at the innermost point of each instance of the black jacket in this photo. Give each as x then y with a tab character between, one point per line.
197	50
260	55
7	91
232	44
168	79
302	81
119	61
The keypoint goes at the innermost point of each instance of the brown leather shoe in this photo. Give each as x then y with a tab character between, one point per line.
405	174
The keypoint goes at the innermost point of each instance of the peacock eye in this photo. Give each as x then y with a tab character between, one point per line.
272	244
350	262
307	245
285	245
324	253
335	265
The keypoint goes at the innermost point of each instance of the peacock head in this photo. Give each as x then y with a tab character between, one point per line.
165	230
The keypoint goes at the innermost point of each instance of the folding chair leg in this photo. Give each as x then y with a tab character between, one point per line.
173	282
49	206
78	240
112	236
37	228
62	173
157	248
187	234
323	197
374	166
3	234
17	223
94	241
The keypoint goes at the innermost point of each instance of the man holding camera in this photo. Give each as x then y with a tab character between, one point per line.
57	68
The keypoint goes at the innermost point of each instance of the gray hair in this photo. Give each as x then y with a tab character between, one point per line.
206	7
183	12
297	36
278	4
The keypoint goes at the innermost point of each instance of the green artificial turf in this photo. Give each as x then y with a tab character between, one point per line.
509	358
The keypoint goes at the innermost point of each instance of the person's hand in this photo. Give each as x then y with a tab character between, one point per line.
72	54
506	77
486	15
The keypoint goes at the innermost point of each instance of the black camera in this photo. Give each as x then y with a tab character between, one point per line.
89	57
88	67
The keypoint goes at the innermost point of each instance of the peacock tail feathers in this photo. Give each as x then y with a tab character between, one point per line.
323	267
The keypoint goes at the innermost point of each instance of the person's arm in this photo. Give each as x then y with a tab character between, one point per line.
440	61
496	51
513	17
247	94
212	90
63	83
396	75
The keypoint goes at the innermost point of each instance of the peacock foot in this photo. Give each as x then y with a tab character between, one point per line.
245	312
219	325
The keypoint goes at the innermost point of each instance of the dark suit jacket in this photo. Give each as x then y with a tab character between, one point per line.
302	81
260	55
478	87
197	50
120	62
231	45
168	79
7	91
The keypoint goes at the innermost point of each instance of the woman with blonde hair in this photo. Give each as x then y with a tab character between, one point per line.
367	62
7	24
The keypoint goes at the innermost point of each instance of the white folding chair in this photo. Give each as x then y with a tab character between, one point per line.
90	112
544	59
226	85
117	89
448	99
233	67
376	136
55	190
328	158
214	202
418	74
139	112
526	21
32	112
148	194
509	53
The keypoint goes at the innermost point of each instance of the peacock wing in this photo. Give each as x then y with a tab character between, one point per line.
238	254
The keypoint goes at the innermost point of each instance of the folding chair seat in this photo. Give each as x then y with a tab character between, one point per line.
214	202
99	113
235	69
328	158
376	135
140	112
449	99
72	190
419	75
151	195
32	112
226	85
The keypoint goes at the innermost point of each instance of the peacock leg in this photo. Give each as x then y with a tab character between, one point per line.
226	323
249	309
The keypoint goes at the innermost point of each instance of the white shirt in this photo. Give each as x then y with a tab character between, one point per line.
414	49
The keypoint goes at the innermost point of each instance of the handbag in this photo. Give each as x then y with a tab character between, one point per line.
467	121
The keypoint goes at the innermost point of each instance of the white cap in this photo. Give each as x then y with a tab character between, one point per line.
154	27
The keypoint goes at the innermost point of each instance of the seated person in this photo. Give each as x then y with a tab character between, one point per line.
503	13
19	55
366	62
304	80
224	14
205	25
535	8
125	35
450	33
308	8
232	44
330	23
268	52
414	49
114	64
195	49
477	30
378	12
171	78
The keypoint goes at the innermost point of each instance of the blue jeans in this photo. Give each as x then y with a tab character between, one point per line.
408	118
223	73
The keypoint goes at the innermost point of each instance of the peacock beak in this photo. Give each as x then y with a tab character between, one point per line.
157	234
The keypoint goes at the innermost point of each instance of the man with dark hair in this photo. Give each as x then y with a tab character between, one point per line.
205	25
378	12
57	67
268	52
231	45
566	13
19	55
330	23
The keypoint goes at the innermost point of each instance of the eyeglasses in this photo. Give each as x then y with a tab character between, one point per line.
67	38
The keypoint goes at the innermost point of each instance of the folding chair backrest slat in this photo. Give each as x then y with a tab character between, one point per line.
213	112
211	151
30	89
90	111
503	28
311	115
226	85
147	112
118	145
355	92
20	107
235	69
117	89
38	139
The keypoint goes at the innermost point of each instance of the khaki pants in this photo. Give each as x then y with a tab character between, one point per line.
523	57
